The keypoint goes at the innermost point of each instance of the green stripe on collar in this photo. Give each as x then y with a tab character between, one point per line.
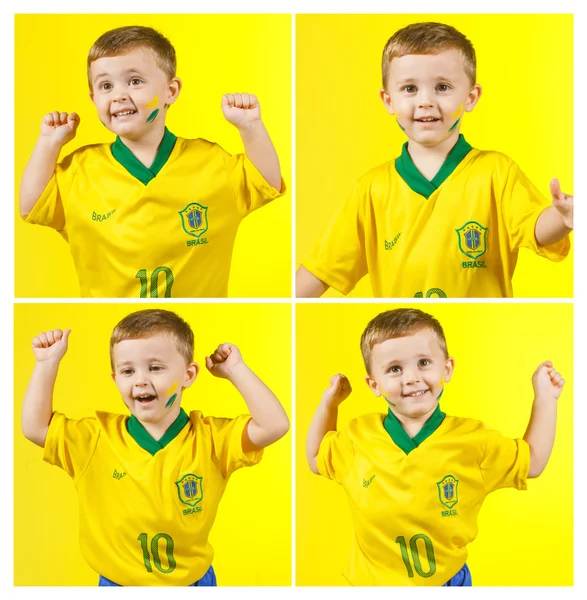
399	435
135	167
408	171
146	441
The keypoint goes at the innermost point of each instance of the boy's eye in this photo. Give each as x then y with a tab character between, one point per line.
126	371
156	368
443	87
135	81
105	86
395	369
423	362
411	89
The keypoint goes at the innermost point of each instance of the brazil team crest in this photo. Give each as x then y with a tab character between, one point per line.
448	491
190	490
194	219
472	239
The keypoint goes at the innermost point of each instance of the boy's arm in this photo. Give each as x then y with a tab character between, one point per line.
244	112
555	222
37	409
56	130
269	421
326	417
548	385
308	285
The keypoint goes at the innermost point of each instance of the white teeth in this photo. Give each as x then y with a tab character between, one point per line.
415	394
124	113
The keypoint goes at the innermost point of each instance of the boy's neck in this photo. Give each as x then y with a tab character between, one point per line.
429	159
157	430
145	148
413	425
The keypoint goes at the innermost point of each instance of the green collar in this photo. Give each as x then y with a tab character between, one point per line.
145	440
408	171
399	435
135	167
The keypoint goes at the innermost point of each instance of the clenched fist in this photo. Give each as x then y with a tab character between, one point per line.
50	345
59	127
241	110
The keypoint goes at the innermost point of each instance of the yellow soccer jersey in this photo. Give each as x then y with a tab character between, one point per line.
455	236
146	507
167	231
414	502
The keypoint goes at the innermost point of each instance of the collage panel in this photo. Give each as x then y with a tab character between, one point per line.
423	171
167	140
141	505
407	509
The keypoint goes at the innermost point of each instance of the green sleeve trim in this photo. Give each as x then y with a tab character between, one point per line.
146	441
399	435
135	167
408	171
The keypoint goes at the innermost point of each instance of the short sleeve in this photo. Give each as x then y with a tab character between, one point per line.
227	444
339	259
522	205
70	444
505	462
251	191
336	455
49	209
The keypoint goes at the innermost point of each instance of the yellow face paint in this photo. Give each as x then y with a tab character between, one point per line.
171	389
153	103
457	112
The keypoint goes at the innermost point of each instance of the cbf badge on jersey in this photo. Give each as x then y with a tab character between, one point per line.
190	490
448	491
472	239
194	219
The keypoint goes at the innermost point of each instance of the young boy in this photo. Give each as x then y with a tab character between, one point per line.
151	215
430	471
149	485
444	219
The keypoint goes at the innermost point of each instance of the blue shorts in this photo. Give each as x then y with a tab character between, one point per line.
208	579
463	577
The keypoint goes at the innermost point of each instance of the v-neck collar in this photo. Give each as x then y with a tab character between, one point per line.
135	167
408	171
401	438
146	441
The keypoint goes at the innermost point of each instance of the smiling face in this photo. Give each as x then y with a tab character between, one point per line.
128	89
148	373
428	94
410	373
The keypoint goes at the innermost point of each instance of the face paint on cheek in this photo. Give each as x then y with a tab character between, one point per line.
153	103
456	115
171	390
153	116
389	401
400	125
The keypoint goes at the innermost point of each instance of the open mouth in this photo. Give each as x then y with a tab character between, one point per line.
427	120
145	398
123	113
417	394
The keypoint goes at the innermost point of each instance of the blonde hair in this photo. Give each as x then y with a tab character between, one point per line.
429	38
121	41
147	323
397	323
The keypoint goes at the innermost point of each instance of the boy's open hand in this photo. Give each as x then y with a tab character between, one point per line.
241	110
223	360
547	382
59	127
562	202
339	390
51	345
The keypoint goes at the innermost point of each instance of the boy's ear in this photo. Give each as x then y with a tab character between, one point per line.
173	88
191	372
372	385
91	94
113	375
449	368
386	99
473	97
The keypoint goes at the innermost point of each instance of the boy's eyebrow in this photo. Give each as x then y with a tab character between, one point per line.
127	72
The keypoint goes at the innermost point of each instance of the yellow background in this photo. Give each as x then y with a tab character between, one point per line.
216	54
525	66
252	533
525	538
